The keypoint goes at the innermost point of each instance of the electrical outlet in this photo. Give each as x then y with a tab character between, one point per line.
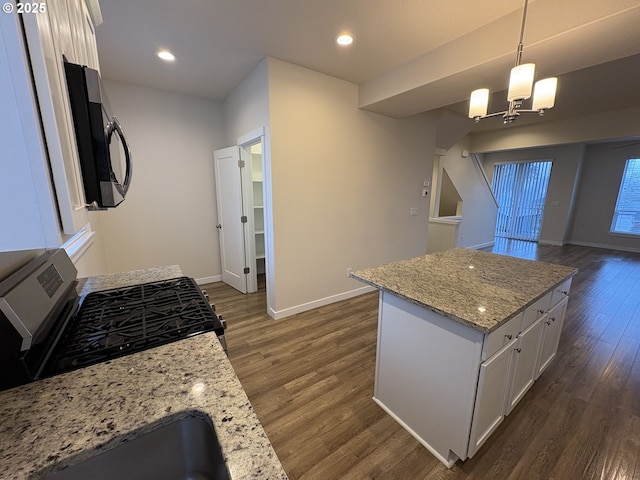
349	270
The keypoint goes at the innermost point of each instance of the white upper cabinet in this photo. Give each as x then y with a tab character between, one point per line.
38	143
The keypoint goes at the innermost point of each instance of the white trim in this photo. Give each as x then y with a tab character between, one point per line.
482	245
77	245
550	242
624	234
94	12
211	279
453	220
250	137
321	302
608	247
449	462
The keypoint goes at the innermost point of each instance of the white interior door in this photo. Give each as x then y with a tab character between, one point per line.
230	226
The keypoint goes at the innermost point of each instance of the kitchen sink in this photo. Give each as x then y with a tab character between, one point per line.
184	449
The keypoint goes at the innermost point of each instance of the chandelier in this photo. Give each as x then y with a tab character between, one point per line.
520	86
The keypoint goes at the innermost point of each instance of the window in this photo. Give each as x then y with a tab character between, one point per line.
521	190
626	216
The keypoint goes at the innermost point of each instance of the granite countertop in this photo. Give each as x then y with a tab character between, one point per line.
480	289
70	417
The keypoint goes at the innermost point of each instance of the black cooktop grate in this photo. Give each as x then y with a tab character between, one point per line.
117	322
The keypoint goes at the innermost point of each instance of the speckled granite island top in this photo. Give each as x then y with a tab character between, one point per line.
70	417
480	289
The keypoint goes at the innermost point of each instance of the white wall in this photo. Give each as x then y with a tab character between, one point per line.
343	183
597	194
169	214
478	222
563	181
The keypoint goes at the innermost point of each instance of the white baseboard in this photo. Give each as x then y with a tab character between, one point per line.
550	242
321	302
205	280
482	245
608	247
448	462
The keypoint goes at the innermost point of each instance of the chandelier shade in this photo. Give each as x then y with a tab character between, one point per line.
521	82
479	102
544	93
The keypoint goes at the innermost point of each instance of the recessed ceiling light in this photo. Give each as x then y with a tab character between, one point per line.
166	55
345	39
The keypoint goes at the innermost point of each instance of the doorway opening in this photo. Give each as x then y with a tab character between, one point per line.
520	190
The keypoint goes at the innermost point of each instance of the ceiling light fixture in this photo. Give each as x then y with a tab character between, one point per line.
520	85
345	39
166	55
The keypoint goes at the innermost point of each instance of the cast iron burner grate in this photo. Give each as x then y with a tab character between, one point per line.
121	321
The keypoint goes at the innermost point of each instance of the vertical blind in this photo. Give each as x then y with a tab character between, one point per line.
626	216
521	190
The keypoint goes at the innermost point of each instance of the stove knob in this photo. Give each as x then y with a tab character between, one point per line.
213	306
206	295
224	323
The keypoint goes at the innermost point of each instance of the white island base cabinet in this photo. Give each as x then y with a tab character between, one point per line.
451	385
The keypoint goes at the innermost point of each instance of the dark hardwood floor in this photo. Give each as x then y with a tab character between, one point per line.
310	380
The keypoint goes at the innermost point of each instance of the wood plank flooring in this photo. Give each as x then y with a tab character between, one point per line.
310	380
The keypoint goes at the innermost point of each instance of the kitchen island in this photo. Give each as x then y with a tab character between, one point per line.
67	418
462	335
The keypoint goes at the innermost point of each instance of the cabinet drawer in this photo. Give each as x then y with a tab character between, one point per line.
506	332
561	291
536	310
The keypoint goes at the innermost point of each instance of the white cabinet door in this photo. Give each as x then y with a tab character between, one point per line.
490	398
552	326
523	364
49	38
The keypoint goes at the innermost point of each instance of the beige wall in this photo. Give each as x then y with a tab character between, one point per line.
478	222
343	183
247	110
169	214
599	127
597	195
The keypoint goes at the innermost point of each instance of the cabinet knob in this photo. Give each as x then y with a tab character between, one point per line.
218	226
548	322
541	312
564	292
509	336
553	319
518	349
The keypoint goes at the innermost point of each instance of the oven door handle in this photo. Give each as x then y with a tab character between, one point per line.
114	126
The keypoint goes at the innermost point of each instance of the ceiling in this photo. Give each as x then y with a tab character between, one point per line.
409	56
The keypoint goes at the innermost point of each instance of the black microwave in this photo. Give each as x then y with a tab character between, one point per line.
104	154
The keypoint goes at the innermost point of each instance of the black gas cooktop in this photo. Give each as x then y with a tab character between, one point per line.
120	321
